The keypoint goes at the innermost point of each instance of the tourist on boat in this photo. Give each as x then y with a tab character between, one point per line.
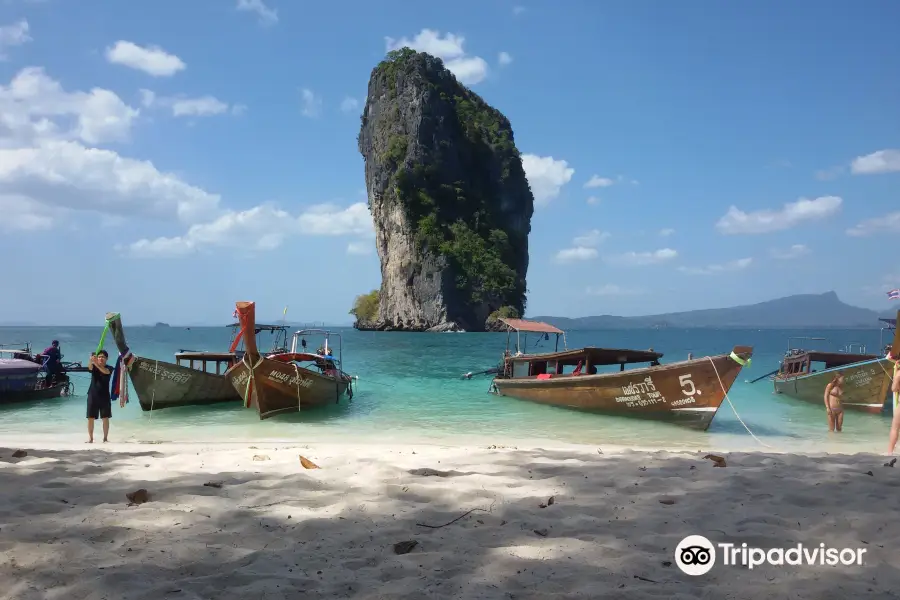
99	403
52	361
833	392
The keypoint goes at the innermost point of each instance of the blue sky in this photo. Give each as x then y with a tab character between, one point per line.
165	159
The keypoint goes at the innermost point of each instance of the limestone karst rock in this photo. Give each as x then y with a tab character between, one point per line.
449	199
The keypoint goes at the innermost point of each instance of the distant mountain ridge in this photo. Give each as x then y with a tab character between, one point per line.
800	311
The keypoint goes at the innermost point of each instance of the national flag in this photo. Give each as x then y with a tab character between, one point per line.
894	294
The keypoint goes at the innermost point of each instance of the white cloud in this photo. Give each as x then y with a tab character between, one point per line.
504	58
735	265
889	223
829	173
591	238
349	104
666	232
611	289
312	104
32	100
181	106
795	251
518	10
48	164
152	60
265	225
737	221
21	213
359	248
13	35
68	174
469	70
882	161
593	200
576	254
546	176
583	247
599	182
638	259
267	16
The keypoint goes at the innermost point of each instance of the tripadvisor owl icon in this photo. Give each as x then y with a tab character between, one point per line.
695	555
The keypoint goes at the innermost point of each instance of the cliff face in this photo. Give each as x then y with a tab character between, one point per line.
449	198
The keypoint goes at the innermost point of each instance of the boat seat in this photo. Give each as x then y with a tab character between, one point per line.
544	376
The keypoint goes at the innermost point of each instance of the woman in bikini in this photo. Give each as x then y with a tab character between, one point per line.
833	393
895	392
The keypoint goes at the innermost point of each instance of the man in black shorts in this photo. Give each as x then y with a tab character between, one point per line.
99	405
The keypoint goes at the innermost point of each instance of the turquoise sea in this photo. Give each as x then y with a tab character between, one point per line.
410	390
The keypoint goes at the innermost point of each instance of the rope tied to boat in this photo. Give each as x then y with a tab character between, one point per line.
153	396
741	362
297	381
250	368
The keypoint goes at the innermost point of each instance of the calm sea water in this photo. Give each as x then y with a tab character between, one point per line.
410	390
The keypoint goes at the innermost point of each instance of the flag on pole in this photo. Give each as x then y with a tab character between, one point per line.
894	294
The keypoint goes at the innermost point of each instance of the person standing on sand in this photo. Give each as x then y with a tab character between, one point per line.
833	393
99	404
895	389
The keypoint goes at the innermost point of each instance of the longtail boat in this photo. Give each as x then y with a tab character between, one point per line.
804	374
290	381
686	393
196	378
21	378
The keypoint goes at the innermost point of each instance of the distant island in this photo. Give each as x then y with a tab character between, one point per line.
802	311
161	325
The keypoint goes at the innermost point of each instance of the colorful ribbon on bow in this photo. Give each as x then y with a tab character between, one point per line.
105	331
739	360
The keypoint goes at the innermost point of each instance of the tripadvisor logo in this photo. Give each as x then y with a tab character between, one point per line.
696	555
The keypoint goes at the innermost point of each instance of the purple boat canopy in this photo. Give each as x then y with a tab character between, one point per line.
16	366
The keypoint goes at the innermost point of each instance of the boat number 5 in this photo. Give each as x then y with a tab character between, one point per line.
687	386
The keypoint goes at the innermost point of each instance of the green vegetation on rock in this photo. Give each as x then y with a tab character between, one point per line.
504	312
365	307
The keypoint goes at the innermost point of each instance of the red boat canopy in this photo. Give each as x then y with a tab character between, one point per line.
530	326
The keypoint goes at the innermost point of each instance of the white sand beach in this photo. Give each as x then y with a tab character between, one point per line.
276	530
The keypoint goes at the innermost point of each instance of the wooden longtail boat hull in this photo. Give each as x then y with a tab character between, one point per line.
274	387
867	386
34	393
160	384
687	393
277	387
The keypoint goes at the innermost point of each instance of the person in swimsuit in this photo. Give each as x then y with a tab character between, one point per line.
895	389
99	404
833	393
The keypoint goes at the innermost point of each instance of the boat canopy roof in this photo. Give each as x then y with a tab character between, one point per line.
210	356
17	366
831	359
595	356
530	326
891	322
260	327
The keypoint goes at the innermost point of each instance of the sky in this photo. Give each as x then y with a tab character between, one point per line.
165	159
